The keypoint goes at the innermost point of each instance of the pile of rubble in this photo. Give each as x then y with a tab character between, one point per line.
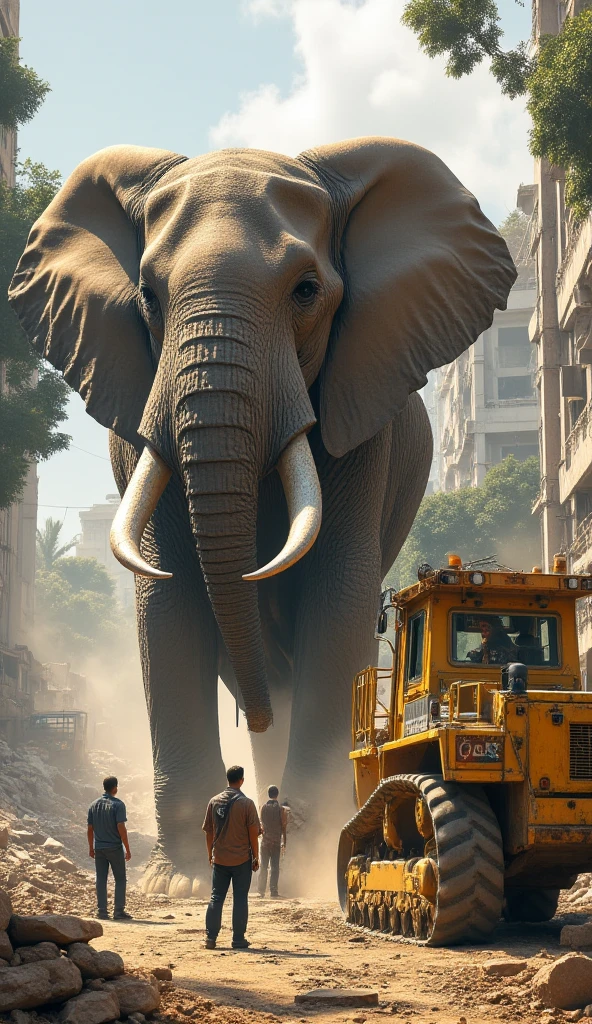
558	984
579	896
47	964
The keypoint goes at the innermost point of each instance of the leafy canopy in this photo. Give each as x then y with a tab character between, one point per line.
34	401
494	518
558	80
21	90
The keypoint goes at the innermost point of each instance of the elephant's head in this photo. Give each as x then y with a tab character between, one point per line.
193	303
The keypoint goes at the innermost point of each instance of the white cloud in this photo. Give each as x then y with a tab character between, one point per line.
363	74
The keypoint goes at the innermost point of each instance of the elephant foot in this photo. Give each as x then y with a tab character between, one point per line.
163	875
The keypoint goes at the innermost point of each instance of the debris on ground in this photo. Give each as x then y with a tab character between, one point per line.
566	983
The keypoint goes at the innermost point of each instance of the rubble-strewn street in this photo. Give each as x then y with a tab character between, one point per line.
297	944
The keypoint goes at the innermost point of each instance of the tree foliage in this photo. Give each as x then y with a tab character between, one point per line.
48	547
494	518
34	400
558	80
560	104
75	601
21	90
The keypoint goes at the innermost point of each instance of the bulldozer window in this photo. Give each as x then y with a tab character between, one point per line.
414	659
498	638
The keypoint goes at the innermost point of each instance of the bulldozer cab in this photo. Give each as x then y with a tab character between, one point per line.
483	688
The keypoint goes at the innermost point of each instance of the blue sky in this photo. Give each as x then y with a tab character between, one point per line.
280	74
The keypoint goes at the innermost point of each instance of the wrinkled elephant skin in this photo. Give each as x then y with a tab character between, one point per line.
214	312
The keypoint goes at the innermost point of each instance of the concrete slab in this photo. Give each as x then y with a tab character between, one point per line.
339	997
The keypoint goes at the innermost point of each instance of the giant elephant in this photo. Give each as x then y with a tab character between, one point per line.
225	317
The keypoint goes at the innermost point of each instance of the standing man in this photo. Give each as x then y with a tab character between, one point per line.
273	823
232	832
107	838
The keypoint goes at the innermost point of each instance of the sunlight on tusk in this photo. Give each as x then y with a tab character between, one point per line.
303	494
147	483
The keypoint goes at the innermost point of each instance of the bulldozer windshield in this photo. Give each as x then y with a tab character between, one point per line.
498	638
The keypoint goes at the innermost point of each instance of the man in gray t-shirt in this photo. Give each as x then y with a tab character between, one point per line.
107	838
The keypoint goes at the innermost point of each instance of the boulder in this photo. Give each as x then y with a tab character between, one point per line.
135	995
6	950
42	951
566	983
62	864
52	845
50	981
576	935
5	910
93	963
505	967
41	884
62	929
91	1008
339	997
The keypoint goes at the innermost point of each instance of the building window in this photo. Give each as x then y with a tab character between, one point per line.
513	347
519	451
514	387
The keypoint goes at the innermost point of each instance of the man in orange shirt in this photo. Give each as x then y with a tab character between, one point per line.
232	832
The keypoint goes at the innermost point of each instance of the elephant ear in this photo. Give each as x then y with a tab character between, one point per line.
75	287
423	270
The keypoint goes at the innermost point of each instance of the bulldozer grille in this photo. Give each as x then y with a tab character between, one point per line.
580	751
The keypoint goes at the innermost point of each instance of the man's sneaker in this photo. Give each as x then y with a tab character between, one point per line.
210	943
276	896
241	944
102	915
122	915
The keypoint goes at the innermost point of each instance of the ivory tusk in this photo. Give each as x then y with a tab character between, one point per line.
147	483
300	481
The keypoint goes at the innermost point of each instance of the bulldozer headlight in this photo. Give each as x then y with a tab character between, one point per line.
449	577
587	584
571	583
476	578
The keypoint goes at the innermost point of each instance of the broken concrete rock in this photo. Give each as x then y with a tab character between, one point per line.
20	1017
41	884
6	950
162	973
93	963
576	935
49	981
62	929
42	951
5	910
62	864
52	845
504	968
135	995
566	983
91	1007
339	997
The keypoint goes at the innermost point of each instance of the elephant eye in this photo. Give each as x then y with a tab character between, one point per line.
305	292
149	303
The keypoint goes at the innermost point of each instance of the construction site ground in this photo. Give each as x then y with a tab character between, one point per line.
297	944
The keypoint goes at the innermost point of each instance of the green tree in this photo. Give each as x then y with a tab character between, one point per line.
75	601
48	551
34	400
494	518
557	80
21	90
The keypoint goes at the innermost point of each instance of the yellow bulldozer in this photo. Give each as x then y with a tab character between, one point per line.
472	756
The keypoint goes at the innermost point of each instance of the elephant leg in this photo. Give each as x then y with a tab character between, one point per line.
334	639
179	653
270	748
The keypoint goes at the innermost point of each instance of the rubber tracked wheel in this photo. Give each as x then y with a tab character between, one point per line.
530	905
468	851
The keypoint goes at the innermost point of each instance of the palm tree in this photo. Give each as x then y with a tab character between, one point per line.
48	551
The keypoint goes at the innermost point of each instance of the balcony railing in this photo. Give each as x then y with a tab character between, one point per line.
578	435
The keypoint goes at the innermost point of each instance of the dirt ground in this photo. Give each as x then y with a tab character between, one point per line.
298	945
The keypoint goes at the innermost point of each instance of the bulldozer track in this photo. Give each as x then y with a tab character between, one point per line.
467	849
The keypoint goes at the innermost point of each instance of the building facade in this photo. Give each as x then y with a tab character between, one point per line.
561	332
95	524
486	404
19	672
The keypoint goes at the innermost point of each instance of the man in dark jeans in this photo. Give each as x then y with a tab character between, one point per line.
232	832
107	838
273	824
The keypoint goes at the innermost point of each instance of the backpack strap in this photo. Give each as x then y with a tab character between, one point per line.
222	816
